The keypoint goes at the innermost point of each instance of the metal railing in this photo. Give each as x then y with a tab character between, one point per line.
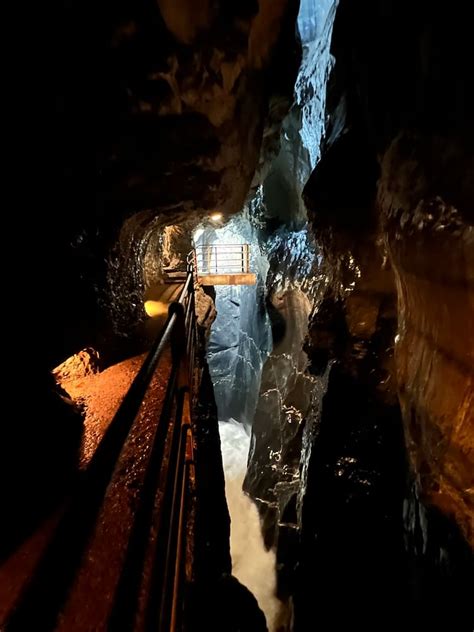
223	259
160	538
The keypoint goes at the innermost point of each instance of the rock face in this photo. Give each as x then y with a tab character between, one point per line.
175	98
286	394
431	246
192	97
81	364
391	208
282	405
188	98
315	22
240	337
186	116
352	460
184	95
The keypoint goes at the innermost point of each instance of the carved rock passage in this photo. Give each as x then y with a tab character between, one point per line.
186	89
175	98
180	102
192	97
431	247
188	97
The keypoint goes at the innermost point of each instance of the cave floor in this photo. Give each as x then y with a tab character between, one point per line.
91	596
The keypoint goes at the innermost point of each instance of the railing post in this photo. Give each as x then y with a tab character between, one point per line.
192	265
190	333
178	335
178	343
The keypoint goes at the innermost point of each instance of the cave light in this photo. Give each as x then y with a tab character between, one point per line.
216	217
155	308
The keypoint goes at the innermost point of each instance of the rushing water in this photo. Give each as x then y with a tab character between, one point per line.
251	563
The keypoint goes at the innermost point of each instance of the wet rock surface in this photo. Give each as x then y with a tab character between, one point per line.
353	459
351	507
177	124
189	112
389	204
284	401
173	101
86	362
431	246
239	339
188	107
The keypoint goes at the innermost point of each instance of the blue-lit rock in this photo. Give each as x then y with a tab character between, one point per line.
240	336
315	22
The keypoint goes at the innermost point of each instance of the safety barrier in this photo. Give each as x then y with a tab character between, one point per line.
223	259
159	536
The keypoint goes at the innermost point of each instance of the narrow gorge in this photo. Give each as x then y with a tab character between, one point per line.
331	145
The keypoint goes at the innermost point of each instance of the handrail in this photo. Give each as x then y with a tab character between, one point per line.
222	258
47	592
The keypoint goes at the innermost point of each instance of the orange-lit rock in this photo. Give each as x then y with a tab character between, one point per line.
185	18
431	246
80	365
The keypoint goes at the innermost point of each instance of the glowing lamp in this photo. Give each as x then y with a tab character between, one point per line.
155	308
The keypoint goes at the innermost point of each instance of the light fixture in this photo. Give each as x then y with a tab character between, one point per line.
216	217
155	308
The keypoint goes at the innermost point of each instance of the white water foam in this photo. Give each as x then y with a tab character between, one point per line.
251	563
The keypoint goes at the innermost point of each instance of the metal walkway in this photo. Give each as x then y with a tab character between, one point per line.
224	264
150	579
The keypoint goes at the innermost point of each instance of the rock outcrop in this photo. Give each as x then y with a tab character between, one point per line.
82	364
425	194
391	209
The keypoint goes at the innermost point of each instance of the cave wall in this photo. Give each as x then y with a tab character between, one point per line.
175	100
315	23
351	493
431	247
239	340
178	101
189	121
390	205
186	99
187	116
284	402
146	246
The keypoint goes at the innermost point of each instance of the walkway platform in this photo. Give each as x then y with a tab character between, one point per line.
224	264
241	278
